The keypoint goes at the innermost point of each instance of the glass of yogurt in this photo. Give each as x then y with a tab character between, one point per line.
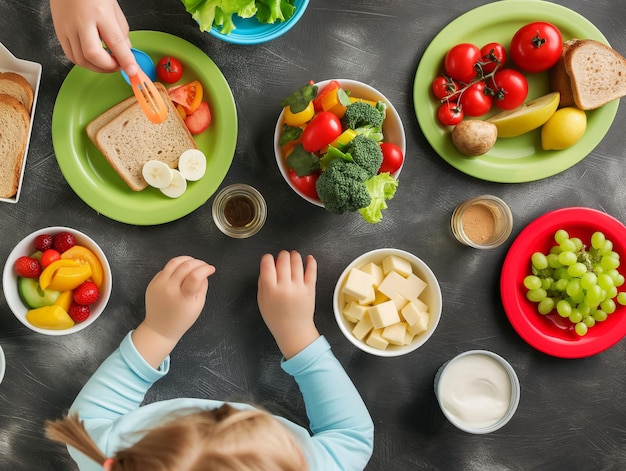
478	391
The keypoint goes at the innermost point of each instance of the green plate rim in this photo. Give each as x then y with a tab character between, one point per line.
86	170
521	159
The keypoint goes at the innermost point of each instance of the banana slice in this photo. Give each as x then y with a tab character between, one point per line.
156	173
192	164
177	187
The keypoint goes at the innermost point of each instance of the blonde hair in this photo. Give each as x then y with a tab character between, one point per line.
222	439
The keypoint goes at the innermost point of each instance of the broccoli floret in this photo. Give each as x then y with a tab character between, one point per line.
366	153
341	187
360	114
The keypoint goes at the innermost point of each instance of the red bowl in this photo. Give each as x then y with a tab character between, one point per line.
552	334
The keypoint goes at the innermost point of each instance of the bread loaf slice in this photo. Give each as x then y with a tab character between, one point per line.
128	140
14	127
597	73
94	126
15	85
559	79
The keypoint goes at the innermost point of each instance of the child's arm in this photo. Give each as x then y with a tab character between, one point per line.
81	27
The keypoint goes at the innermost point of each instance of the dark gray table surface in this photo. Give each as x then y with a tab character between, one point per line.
572	413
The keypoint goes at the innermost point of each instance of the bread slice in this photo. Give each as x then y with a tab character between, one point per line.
128	140
94	126
14	84
14	127
559	80
597	73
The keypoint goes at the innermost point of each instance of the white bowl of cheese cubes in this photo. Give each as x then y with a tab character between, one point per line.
387	302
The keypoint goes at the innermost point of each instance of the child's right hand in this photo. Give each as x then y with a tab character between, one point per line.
286	298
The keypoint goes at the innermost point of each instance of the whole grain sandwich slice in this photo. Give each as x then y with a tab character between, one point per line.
14	127
16	85
128	139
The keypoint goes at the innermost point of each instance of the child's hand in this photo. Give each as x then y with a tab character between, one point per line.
81	27
174	300
286	300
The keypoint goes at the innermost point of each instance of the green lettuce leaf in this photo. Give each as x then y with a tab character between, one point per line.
381	187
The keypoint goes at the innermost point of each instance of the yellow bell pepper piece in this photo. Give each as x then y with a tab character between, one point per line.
355	99
50	317
81	254
46	275
344	139
331	102
300	118
65	300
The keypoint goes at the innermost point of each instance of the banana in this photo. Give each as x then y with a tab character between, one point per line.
177	187
157	173
192	164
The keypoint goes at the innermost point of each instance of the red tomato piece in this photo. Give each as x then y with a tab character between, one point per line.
474	101
460	62
188	95
536	46
306	184
317	102
323	129
169	70
198	121
392	158
511	89
450	114
492	55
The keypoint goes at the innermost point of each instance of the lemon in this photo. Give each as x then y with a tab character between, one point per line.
564	129
527	116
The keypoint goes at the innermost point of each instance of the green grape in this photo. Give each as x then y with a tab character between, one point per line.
588	280
597	240
621	298
573	287
539	261
606	248
581	329
563	308
599	315
567	258
605	281
546	306
553	260
578	269
568	245
532	282
561	284
594	296
584	309
547	282
589	321
609	263
608	306
577	243
561	273
611	292
536	295
561	235
576	316
555	250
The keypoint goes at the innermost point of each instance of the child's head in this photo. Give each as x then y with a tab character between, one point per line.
222	439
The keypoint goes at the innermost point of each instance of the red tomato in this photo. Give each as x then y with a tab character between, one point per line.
444	87
323	129
317	102
511	89
169	70
306	184
392	158
450	114
460	61
49	256
536	46
188	95
198	121
474	101
491	55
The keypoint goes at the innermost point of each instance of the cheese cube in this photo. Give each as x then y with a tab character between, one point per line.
353	311
400	301
376	271
363	327
376	340
398	264
413	286
392	285
395	334
421	325
412	313
383	314
379	298
370	298
408	338
422	306
358	284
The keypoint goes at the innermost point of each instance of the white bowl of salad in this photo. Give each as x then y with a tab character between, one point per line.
339	119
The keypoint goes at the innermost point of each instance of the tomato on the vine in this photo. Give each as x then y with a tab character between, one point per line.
536	46
305	184
450	114
460	62
169	70
474	101
444	87
323	129
511	89
492	55
392	158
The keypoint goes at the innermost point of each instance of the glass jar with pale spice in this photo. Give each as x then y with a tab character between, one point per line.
483	222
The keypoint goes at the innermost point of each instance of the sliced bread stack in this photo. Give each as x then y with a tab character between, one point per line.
127	139
589	74
16	101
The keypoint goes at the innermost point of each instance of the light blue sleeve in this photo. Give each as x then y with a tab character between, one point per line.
343	431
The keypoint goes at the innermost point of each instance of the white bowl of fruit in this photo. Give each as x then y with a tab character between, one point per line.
57	281
387	302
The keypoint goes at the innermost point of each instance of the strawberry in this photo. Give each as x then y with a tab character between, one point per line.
78	313
63	241
27	267
43	242
86	293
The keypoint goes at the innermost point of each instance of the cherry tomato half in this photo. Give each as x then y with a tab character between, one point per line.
444	87
460	61
323	129
392	158
450	114
536	46
306	184
474	101
169	70
188	95
492	55
511	89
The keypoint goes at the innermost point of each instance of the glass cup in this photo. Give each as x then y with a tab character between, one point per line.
483	222
239	211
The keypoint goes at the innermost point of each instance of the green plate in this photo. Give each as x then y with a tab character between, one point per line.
84	95
519	159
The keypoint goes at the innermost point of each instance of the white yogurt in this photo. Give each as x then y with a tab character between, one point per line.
475	391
